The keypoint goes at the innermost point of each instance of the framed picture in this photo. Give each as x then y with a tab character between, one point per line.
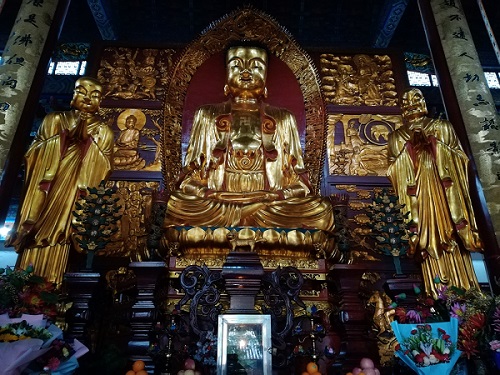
244	345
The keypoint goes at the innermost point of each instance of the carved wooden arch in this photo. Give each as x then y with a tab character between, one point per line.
246	25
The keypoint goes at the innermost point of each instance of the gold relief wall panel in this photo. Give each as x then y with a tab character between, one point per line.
134	84
358	80
135	199
135	73
357	144
137	138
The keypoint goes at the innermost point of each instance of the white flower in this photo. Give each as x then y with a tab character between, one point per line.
433	359
427	361
426	348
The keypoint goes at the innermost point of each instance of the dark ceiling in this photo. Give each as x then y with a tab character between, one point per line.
343	24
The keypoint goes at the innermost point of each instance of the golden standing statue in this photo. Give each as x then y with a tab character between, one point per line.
244	164
71	151
429	171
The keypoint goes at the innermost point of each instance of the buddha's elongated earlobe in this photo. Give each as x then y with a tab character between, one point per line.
226	90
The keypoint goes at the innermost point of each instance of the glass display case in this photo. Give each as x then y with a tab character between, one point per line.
244	345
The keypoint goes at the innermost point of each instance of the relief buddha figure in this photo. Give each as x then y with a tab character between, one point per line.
244	163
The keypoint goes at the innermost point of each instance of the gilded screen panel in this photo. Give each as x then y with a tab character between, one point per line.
135	73
135	199
137	138
358	80
357	144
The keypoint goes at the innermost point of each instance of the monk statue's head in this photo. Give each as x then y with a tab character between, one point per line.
87	95
246	73
413	105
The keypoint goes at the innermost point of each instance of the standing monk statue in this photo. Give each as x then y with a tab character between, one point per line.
244	165
429	171
71	151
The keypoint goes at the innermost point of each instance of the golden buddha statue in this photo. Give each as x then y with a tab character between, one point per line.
429	171
71	151
244	164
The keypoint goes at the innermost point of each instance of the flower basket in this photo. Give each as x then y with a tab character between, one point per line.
25	340
428	348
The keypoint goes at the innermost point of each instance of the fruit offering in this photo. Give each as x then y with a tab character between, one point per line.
366	367
189	368
138	368
312	369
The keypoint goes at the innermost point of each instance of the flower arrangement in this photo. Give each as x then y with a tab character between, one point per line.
477	314
428	348
28	341
471	308
21	331
494	332
59	352
23	292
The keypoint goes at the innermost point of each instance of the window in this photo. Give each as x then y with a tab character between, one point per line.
419	79
72	68
425	79
492	80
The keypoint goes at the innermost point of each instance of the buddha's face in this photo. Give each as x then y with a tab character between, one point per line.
130	122
87	95
413	105
246	72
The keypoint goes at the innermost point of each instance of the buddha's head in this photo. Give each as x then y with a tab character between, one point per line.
413	105
87	95
130	122
246	72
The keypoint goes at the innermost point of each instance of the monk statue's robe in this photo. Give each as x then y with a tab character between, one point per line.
71	151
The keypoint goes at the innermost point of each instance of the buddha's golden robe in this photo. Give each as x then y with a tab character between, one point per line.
246	168
58	171
429	171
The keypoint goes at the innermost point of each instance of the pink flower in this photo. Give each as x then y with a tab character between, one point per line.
495	345
53	363
441	291
458	311
414	316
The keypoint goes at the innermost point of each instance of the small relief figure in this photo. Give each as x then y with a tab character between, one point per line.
126	156
356	144
347	90
118	80
157	143
146	73
384	313
367	80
